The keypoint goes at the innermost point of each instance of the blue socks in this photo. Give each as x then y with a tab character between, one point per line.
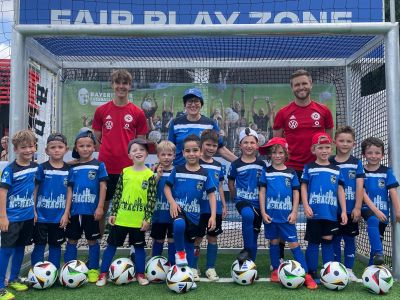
179	234
71	252
5	254
171	253
374	235
16	262
140	259
327	251
157	248
248	229
212	250
299	256
274	251
312	252
94	255
107	258
37	254
190	254
337	249
349	251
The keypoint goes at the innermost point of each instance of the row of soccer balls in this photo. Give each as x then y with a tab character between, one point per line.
334	276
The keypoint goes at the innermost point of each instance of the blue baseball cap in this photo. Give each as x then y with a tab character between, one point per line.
83	133
189	93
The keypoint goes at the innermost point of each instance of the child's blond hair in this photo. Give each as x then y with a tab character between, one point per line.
23	137
166	146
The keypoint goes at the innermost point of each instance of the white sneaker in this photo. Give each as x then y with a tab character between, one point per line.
102	280
180	259
212	274
194	286
352	277
196	276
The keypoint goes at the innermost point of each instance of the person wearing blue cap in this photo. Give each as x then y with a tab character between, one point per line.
193	122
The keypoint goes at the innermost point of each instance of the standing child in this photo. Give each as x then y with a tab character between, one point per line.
51	193
279	203
243	179
86	192
184	191
132	209
162	222
353	176
321	191
209	146
380	192
17	210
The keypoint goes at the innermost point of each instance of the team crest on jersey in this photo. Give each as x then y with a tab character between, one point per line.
315	116
108	125
293	124
200	185
92	174
145	185
287	182
216	175
65	182
381	183
352	174
333	179
4	176
128	118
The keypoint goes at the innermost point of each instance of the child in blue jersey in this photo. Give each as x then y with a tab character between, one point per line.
51	194
353	175
380	193
162	222
209	146
243	179
17	210
322	192
279	203
184	191
87	184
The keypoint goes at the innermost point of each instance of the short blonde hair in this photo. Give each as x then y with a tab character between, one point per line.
166	146
23	137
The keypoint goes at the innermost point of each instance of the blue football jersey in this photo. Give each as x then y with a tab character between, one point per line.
52	192
377	185
188	188
161	211
351	170
85	178
181	127
247	177
279	186
322	189
20	184
216	174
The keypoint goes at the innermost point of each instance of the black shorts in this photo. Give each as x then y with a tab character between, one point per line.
257	214
191	230
19	234
159	230
203	225
111	185
316	229
350	229
366	214
48	233
118	234
83	223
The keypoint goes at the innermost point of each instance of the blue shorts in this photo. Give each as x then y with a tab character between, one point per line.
285	231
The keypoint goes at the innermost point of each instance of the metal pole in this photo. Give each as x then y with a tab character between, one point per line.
392	11
349	109
18	87
392	68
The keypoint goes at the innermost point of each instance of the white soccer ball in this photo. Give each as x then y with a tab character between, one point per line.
377	279
334	276
244	273
121	271
147	105
291	274
154	136
73	274
232	117
42	275
179	279
157	268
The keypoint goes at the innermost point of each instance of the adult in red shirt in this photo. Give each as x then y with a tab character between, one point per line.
300	120
115	124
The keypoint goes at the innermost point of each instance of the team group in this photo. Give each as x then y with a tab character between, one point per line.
185	201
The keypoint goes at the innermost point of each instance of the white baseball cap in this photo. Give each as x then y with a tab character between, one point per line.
247	132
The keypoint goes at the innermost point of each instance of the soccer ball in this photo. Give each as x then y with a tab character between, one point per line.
42	275
334	276
377	279
157	268
147	105
179	279
244	273
154	136
73	274
232	117
291	274
121	271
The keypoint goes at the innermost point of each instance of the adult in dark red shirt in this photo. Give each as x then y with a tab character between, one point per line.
115	124
300	120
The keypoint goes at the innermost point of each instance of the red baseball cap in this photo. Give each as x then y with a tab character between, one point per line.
263	150
321	138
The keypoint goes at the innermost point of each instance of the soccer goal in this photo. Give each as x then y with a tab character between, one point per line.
240	54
